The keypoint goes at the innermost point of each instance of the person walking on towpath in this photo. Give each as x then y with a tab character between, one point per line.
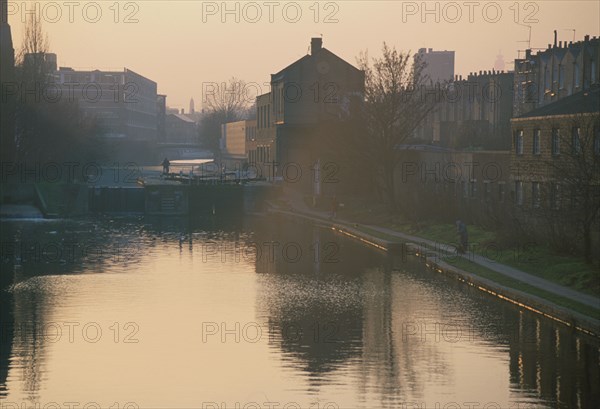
166	164
463	236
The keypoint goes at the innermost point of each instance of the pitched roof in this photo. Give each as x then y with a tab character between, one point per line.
581	102
308	57
183	117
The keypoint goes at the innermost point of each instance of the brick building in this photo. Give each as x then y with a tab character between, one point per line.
440	182
308	100
234	137
261	146
555	164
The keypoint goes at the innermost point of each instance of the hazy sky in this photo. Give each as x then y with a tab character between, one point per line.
183	44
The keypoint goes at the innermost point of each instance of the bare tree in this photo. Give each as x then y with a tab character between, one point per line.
575	171
35	41
48	128
228	102
232	97
394	107
31	56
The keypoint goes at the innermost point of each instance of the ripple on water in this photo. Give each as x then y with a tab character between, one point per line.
47	284
302	292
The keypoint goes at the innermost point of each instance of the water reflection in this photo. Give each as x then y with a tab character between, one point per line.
6	334
342	322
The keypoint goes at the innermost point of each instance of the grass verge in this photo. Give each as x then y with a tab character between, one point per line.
501	279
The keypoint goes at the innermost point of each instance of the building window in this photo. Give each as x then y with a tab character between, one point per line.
555	141
535	194
561	77
576	141
554	196
473	188
576	74
536	141
281	101
519	142
519	193
593	72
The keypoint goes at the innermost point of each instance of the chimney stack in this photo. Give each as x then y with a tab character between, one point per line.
555	38
316	44
587	37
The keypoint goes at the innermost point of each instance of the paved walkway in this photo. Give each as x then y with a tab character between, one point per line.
21	211
297	203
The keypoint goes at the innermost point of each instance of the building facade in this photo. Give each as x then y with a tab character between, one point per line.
555	165
562	69
449	184
308	100
234	137
123	102
161	117
470	112
180	129
439	65
7	76
261	144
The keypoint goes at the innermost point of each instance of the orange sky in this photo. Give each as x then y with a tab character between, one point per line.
183	44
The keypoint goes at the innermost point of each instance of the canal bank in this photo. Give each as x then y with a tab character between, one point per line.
571	308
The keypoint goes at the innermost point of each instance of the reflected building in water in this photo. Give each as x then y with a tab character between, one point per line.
400	354
338	313
551	362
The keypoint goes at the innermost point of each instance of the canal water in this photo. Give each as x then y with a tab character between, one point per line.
262	313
